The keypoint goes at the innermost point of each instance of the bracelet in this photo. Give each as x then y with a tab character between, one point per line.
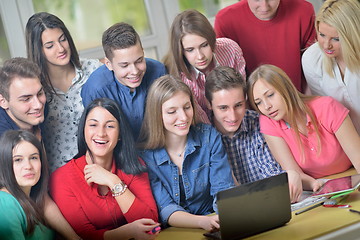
116	194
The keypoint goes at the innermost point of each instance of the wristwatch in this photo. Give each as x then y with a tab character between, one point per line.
118	189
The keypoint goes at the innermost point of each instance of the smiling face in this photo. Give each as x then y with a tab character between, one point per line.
264	9
329	41
26	102
177	114
228	106
26	165
269	101
129	65
197	51
56	47
101	133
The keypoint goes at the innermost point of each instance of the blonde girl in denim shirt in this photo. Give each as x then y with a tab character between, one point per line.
187	162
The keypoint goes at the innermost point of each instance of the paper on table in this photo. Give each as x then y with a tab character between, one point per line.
306	200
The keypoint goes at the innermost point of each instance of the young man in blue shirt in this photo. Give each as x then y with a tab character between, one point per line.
22	97
248	153
126	75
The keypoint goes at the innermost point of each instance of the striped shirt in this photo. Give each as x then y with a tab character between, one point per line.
227	53
248	153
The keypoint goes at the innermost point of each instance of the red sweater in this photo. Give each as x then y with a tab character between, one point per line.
91	214
279	41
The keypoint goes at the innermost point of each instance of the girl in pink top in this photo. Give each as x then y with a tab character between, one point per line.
195	51
311	135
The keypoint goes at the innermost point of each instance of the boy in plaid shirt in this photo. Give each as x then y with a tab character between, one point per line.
248	153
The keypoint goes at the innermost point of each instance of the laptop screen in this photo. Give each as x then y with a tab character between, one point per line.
254	207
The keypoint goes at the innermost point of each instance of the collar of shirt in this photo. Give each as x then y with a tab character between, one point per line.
284	125
197	72
124	88
243	128
78	75
6	122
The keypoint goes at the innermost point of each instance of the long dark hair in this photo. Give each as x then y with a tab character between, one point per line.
187	22
35	26
33	206
125	153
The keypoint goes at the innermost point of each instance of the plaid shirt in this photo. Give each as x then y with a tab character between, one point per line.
248	153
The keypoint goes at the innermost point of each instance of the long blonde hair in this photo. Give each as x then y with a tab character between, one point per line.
152	133
295	101
344	16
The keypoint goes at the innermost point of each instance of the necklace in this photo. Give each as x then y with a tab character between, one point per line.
180	154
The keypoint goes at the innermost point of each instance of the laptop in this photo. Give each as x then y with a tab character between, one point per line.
254	207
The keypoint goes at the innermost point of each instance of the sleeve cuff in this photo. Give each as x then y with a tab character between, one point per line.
166	212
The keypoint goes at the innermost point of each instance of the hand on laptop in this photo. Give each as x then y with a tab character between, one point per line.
209	223
295	185
299	181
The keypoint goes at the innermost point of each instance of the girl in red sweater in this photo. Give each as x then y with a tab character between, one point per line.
104	192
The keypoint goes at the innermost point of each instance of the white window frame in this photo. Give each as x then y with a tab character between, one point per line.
14	15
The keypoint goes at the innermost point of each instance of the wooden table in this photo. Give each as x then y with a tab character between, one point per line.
308	225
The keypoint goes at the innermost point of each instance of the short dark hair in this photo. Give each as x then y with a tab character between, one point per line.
223	77
119	36
35	26
125	153
13	68
34	205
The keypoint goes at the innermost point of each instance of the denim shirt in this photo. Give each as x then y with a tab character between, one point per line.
206	171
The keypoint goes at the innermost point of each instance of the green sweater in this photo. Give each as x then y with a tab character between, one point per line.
13	222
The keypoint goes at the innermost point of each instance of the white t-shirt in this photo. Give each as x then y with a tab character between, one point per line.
347	92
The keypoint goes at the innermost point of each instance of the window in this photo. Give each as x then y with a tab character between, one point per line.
207	7
4	48
88	19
